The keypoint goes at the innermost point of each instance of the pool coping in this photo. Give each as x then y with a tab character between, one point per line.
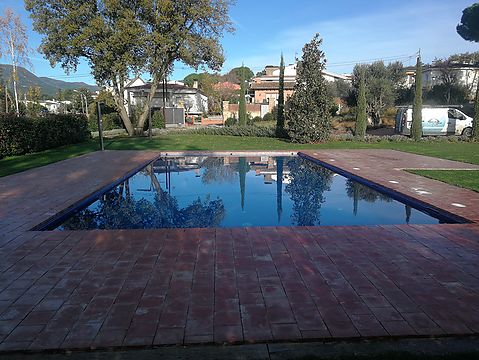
64	214
399	196
451	232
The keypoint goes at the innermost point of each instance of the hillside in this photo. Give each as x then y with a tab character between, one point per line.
48	86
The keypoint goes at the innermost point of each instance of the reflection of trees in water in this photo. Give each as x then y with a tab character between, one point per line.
308	182
215	171
357	191
118	211
243	168
279	187
408	210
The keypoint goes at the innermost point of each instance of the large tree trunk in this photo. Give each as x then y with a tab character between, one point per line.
17	109
14	77
120	104
118	96
149	100
376	117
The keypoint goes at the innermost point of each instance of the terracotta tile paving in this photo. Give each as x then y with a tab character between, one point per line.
94	289
384	167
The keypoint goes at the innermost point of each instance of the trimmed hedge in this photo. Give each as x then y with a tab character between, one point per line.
231	131
23	135
399	138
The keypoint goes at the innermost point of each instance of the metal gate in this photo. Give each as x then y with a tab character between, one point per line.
174	116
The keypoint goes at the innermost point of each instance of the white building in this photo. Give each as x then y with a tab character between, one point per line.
264	89
55	106
175	95
466	74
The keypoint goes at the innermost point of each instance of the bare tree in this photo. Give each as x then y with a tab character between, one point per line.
14	43
448	76
188	105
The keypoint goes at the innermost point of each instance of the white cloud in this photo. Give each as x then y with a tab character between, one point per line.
429	26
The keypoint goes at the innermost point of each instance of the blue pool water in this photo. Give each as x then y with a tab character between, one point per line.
232	191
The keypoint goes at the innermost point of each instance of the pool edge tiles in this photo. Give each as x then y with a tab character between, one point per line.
56	221
422	206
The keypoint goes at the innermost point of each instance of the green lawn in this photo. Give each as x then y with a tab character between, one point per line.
466	152
14	164
468	179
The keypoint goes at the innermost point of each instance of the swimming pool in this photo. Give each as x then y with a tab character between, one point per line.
236	191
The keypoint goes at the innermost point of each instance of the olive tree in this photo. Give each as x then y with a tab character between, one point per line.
382	85
119	38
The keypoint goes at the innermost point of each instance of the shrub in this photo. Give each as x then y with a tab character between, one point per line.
231	131
22	135
268	117
399	138
157	120
231	121
110	121
15	135
257	118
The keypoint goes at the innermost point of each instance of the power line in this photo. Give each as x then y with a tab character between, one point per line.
226	70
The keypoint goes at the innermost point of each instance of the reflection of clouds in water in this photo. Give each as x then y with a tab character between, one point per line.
247	191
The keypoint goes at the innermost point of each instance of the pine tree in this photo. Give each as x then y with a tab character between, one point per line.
280	116
309	117
242	103
416	126
361	116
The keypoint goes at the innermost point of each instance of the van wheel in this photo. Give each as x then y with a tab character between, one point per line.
467	132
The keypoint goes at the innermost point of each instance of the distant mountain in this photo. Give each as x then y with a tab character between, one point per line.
48	85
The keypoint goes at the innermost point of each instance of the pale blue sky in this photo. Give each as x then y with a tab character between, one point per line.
353	31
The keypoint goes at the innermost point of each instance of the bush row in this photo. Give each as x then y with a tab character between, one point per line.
399	138
113	121
259	131
23	135
232	131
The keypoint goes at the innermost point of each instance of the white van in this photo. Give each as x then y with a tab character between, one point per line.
435	121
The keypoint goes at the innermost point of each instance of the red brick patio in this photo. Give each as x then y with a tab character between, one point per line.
87	289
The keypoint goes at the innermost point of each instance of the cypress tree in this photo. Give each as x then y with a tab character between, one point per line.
475	120
416	126
308	114
280	116
242	103
361	116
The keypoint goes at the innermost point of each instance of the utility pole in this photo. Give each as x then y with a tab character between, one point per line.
164	100
81	101
86	107
100	126
6	99
149	123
